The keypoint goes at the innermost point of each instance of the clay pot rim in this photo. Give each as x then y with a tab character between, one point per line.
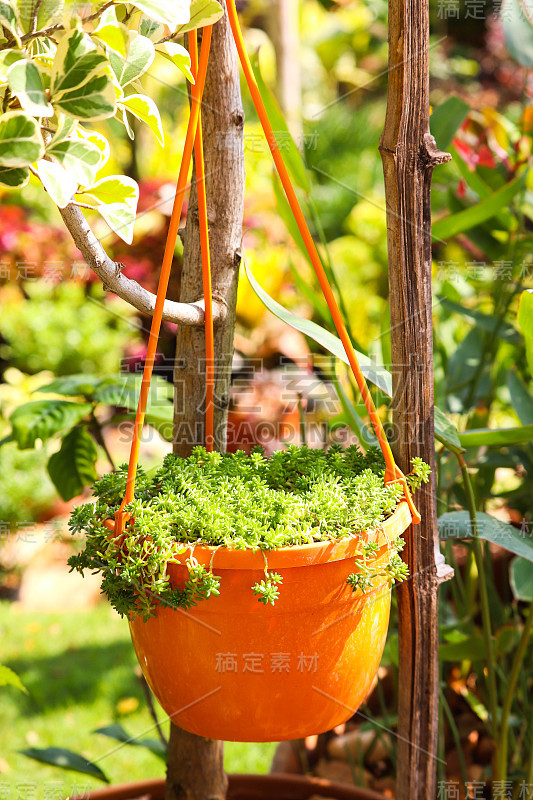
297	787
296	555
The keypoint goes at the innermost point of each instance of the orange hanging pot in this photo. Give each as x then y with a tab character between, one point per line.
235	670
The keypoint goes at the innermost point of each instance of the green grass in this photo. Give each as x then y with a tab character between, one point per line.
79	670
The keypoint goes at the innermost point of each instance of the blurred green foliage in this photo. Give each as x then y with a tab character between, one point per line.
66	329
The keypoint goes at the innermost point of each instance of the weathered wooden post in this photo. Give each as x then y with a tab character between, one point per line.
409	154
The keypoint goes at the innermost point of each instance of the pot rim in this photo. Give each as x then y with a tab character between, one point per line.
297	785
220	557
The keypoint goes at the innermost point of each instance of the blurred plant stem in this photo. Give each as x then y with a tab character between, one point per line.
503	743
483	598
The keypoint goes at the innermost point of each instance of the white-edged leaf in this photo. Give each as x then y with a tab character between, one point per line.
59	182
9	19
120	219
21	142
145	109
99	141
65	127
81	85
115	197
45	12
14	177
93	100
179	56
7	59
114	189
203	12
79	157
112	32
169	12
24	80
141	53
75	62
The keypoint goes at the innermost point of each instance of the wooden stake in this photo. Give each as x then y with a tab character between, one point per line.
409	155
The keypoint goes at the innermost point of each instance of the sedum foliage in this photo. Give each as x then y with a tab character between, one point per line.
297	496
62	70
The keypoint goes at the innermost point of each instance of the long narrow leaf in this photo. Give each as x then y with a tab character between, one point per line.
372	372
482	211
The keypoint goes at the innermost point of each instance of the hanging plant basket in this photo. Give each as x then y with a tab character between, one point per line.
186	555
233	670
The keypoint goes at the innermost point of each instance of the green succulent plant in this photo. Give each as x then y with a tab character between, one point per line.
297	496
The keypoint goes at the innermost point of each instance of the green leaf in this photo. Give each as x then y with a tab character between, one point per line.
66	759
14	177
141	53
43	419
485	321
145	109
525	320
81	85
178	55
72	468
77	385
168	12
48	11
286	144
118	733
81	158
521	579
58	182
446	119
115	197
496	437
21	142
456	525
470	649
372	372
203	12
10	678
25	82
9	19
518	32
124	391
482	211
285	212
521	398
446	432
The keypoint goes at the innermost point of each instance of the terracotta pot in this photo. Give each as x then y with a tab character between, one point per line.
236	670
246	787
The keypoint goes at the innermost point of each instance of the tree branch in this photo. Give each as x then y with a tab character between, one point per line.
109	272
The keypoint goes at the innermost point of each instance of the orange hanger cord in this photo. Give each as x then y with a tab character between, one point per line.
181	187
206	264
392	472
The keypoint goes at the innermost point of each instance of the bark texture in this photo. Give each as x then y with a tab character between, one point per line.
409	155
195	765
